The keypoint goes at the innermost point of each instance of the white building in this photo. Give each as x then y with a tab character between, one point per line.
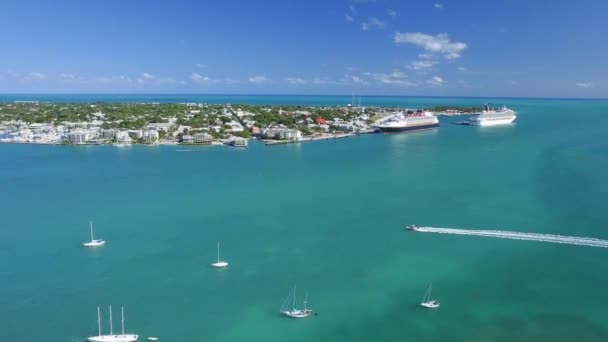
161	126
136	133
78	137
123	138
187	139
108	133
234	126
150	136
202	138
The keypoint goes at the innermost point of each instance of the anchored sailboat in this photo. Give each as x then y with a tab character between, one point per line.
427	302
93	242
219	263
111	337
293	312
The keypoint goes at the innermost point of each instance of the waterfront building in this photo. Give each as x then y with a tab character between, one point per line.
108	133
187	139
202	138
78	137
123	138
136	133
150	136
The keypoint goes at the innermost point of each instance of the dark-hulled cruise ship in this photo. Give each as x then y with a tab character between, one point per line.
410	122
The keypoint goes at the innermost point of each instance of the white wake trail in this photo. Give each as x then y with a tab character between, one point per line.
571	240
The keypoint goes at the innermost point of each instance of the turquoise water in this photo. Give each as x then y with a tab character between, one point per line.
327	216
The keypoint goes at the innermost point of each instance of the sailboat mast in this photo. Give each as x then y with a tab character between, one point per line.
294	298
91	225
111	331
98	321
305	301
218	252
122	312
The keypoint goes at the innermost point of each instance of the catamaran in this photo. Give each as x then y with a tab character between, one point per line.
93	242
294	312
112	337
219	264
427	302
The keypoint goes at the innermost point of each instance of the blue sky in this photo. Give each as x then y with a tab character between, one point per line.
448	48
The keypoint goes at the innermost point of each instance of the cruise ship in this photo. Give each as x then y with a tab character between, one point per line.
492	117
410	122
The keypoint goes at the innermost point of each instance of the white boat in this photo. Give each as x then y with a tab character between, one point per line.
427	302
294	312
493	117
238	142
93	242
398	123
112	337
219	263
412	227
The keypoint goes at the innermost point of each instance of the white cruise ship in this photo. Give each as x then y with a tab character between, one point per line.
409	122
492	117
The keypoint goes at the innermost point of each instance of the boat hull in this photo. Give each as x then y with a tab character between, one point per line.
403	129
430	305
94	243
113	338
220	264
297	313
483	122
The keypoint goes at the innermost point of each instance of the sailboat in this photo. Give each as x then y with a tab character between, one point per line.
112	337
427	302
219	264
93	242
293	312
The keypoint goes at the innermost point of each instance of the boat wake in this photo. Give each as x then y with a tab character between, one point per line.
570	240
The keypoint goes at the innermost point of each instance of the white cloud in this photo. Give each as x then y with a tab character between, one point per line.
462	69
372	23
147	76
438	6
125	78
393	78
392	13
426	56
200	79
584	84
349	17
357	80
200	65
67	77
352	9
37	76
322	81
436	81
258	79
296	80
440	43
421	65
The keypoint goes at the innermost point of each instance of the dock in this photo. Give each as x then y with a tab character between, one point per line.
322	137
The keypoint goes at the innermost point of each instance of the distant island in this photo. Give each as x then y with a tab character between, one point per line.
185	123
